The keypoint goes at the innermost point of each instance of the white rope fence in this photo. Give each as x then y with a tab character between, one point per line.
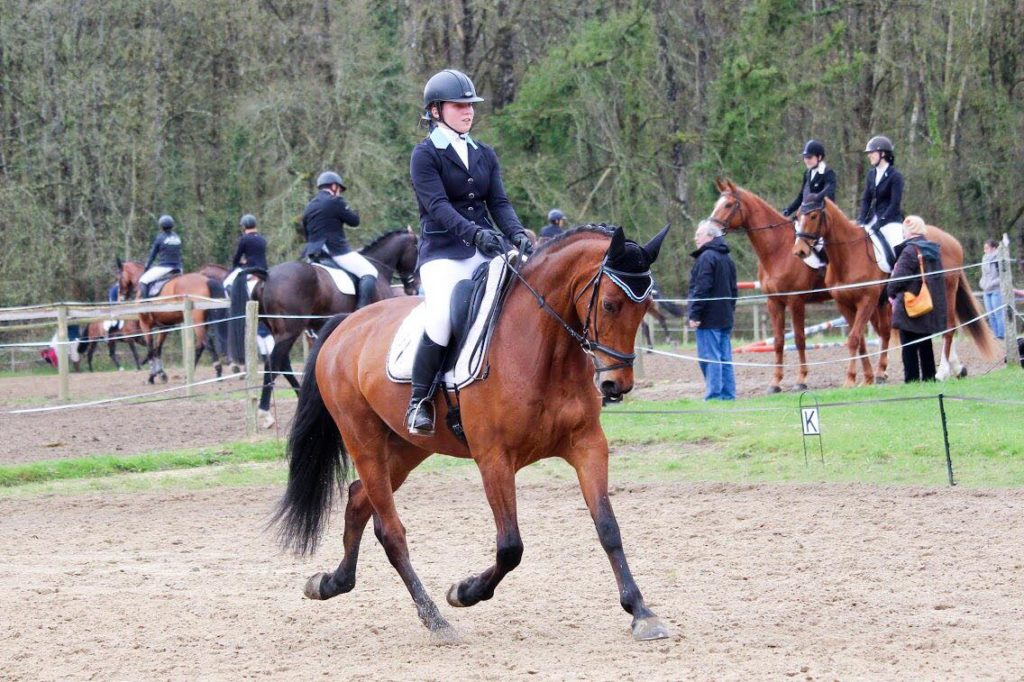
693	358
120	399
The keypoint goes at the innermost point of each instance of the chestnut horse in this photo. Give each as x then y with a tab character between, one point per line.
180	286
852	259
568	312
771	235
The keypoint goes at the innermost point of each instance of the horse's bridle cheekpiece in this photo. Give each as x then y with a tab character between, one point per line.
627	268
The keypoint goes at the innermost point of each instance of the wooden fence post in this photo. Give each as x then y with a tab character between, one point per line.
188	346
252	367
1010	312
305	348
757	321
638	367
63	353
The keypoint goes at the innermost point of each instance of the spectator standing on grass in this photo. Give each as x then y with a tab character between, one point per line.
989	285
916	347
711	308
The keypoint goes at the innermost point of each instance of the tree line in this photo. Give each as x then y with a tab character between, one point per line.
614	111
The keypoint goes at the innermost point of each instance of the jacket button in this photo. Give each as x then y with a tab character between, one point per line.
472	196
470	208
470	181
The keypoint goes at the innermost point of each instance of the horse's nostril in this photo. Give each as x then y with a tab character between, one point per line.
608	388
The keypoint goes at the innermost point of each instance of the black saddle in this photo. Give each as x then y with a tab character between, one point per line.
156	287
467	300
326	261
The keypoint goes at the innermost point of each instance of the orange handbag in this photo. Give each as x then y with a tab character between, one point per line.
922	303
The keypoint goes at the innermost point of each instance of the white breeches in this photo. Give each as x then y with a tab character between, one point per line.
230	279
154	273
439	278
354	262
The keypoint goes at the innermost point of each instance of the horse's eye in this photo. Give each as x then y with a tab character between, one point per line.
608	306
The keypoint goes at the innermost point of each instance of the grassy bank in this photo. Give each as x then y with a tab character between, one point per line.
752	440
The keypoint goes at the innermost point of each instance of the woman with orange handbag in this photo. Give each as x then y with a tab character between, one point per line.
917	256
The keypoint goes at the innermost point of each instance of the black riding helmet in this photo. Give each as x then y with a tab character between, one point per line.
328	178
165	222
879	143
555	214
813	148
448	86
248	221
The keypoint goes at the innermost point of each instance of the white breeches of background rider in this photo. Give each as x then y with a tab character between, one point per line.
439	278
154	273
354	262
230	279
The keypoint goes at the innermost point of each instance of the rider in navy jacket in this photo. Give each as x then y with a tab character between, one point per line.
454	202
251	251
324	223
882	199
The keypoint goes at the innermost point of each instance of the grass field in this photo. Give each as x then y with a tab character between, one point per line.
898	442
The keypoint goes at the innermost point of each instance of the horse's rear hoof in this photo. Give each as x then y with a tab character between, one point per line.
312	589
650	628
163	377
445	636
774	389
219	370
881	381
151	379
962	374
266	419
452	597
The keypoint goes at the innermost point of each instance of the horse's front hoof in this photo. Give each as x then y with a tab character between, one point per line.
163	377
650	628
774	389
219	370
312	588
962	374
800	387
881	381
151	379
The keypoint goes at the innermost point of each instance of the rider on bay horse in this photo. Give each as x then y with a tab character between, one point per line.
165	253
457	181
324	223
251	251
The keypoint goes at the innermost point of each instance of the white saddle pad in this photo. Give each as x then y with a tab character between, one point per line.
893	233
111	324
342	279
474	349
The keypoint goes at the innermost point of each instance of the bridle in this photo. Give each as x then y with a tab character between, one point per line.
736	208
811	238
590	345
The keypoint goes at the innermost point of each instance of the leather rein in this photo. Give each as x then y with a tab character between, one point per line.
590	346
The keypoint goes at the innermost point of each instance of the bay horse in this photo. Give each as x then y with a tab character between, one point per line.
851	257
567	314
301	290
95	333
189	284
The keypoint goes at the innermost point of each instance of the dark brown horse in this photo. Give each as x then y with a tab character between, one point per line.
852	260
174	291
95	333
305	296
566	316
658	312
771	235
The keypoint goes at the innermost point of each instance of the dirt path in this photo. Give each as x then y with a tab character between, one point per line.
801	582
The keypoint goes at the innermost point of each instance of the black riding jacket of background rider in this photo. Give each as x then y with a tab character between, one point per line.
884	199
166	251
324	222
822	183
251	252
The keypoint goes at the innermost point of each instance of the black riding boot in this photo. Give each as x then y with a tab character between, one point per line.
419	418
365	290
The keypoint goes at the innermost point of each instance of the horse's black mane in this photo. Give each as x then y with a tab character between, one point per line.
594	228
377	240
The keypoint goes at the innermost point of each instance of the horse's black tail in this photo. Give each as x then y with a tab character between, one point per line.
317	461
218	334
236	325
673	309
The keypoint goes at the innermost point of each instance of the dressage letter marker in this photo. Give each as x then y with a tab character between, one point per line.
809	417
